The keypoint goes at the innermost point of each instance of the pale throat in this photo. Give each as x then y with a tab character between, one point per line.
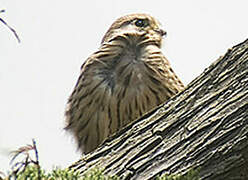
132	64
126	65
133	52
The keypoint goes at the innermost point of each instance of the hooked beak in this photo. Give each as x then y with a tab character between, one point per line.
161	32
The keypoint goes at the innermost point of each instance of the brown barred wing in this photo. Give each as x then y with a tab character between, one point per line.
87	113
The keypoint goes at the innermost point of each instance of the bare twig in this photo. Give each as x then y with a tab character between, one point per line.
21	166
21	150
37	159
10	28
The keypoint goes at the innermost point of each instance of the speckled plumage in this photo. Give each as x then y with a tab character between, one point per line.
124	79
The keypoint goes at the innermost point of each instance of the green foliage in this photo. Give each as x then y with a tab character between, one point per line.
193	174
29	168
31	173
62	174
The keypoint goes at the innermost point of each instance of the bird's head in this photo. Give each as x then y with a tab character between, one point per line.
135	29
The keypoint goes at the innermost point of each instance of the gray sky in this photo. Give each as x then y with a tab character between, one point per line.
37	75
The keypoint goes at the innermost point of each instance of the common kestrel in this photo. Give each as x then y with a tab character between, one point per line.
124	79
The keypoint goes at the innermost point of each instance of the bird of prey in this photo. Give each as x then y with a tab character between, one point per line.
127	77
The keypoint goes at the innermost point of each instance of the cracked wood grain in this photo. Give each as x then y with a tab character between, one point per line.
204	126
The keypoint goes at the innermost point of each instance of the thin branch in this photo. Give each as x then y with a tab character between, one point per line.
10	28
21	166
37	159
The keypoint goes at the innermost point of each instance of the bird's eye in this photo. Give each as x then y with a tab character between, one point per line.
141	23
